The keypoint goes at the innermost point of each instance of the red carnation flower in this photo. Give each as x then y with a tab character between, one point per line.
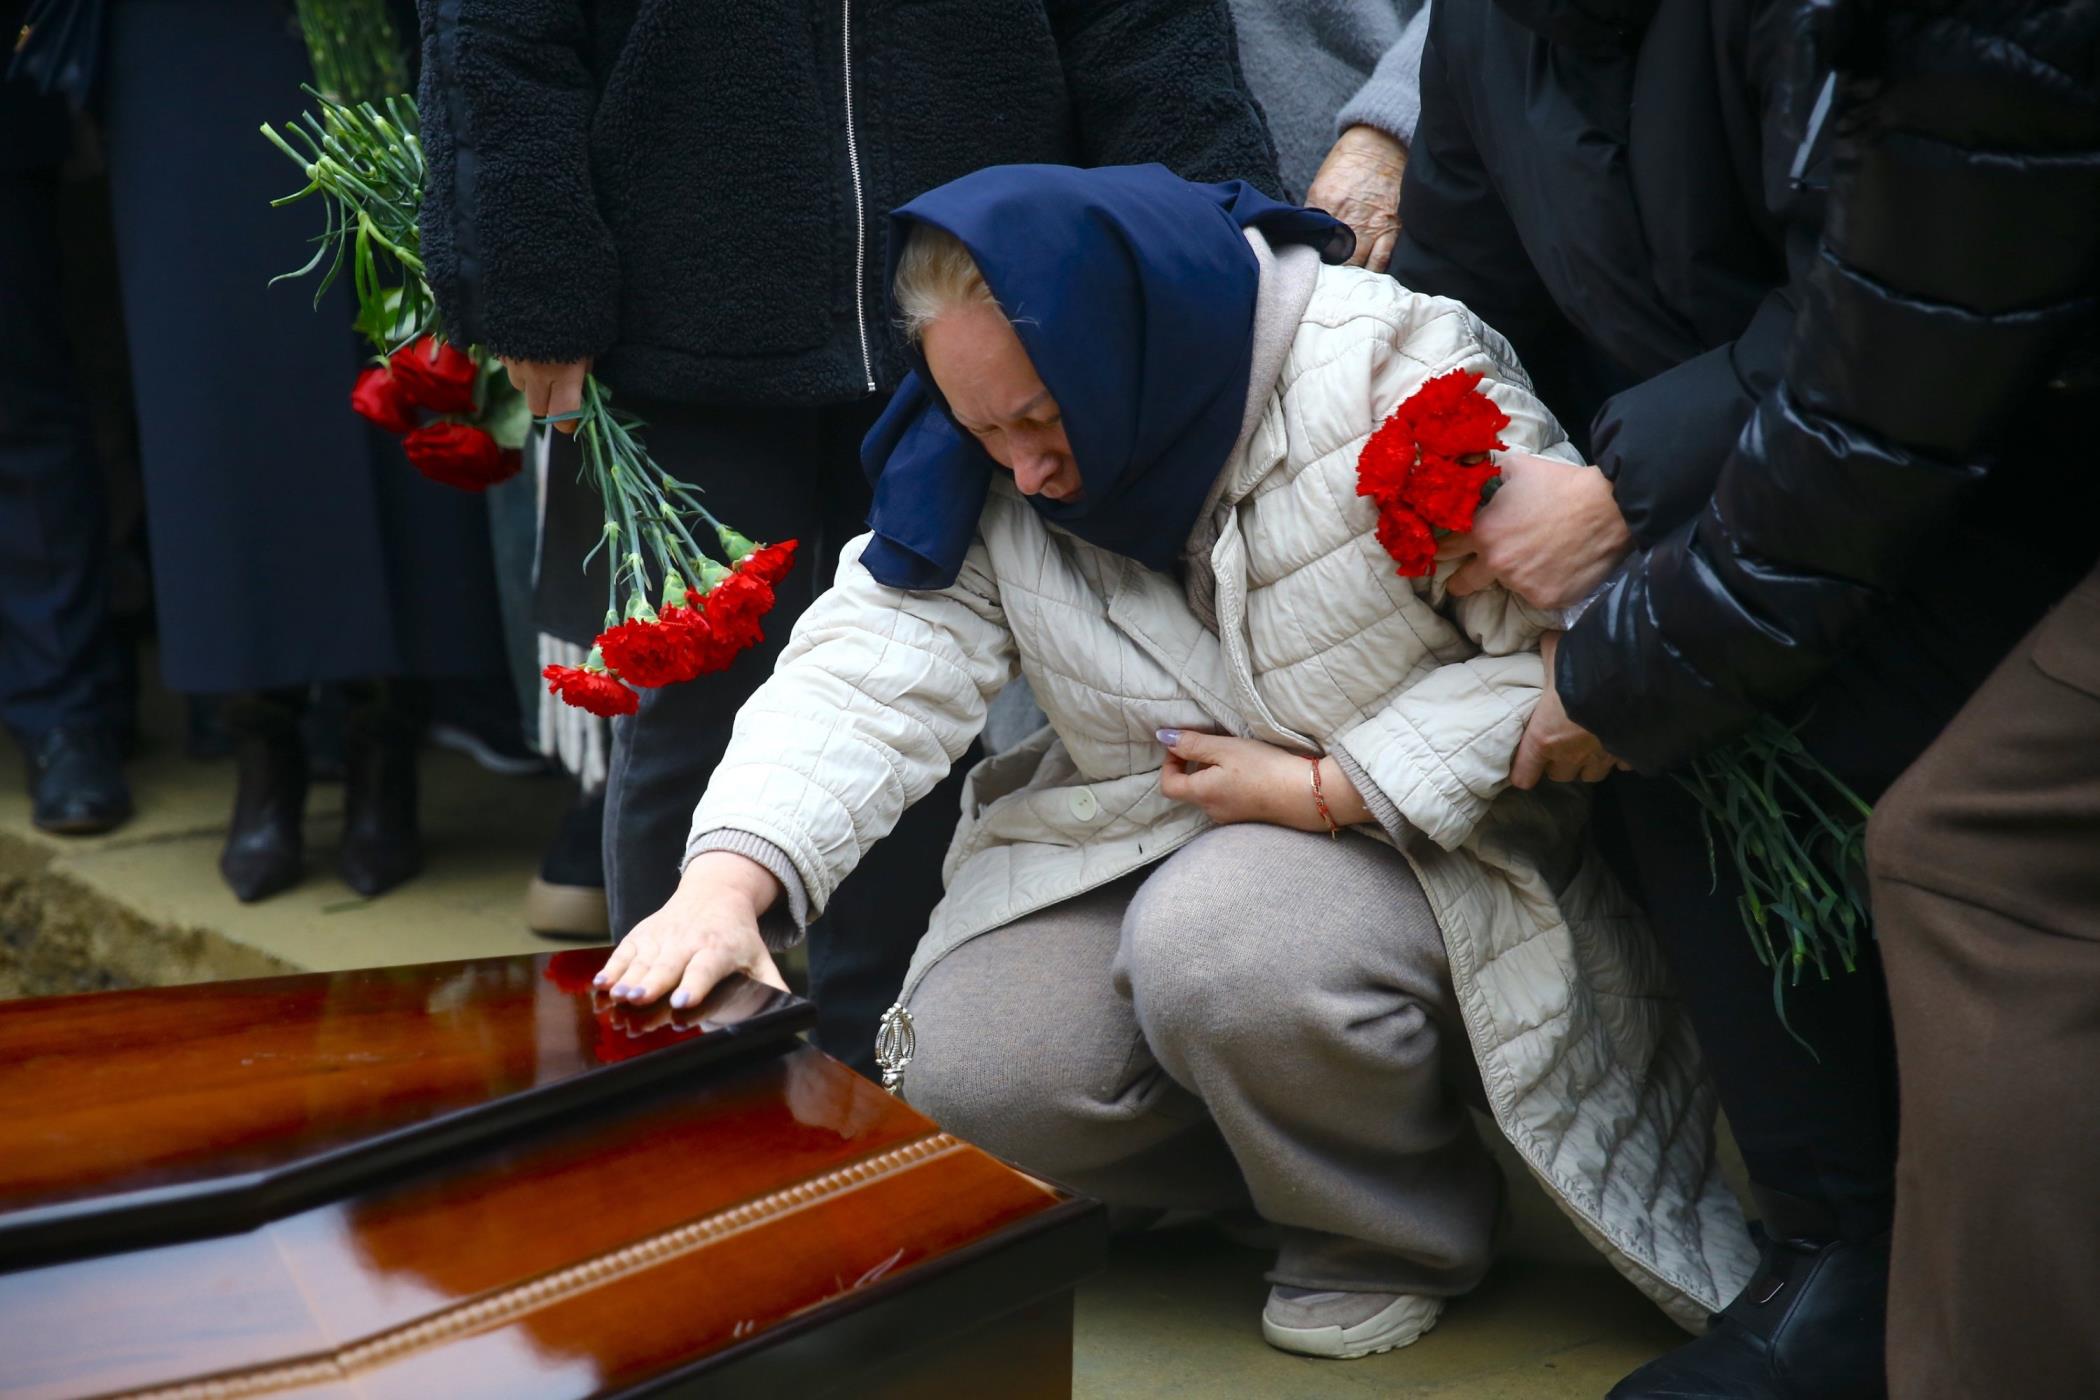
1447	493
648	654
461	455
378	397
770	562
599	692
436	375
1452	418
706	651
735	605
1388	459
1408	538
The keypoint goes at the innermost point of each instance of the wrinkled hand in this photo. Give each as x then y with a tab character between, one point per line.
1359	183
550	387
1245	780
707	930
1555	746
1550	534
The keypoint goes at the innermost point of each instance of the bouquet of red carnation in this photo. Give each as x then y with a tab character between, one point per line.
673	612
475	434
1427	468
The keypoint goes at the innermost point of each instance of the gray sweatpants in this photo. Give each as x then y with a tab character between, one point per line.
1264	1018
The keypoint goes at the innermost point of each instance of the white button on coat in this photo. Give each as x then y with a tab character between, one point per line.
1085	805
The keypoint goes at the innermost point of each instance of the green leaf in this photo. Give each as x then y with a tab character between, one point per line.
504	412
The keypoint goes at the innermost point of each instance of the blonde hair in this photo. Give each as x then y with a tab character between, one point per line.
935	275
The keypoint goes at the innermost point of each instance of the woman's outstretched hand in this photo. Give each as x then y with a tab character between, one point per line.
1245	780
707	930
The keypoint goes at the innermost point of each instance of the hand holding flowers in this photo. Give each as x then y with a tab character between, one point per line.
673	611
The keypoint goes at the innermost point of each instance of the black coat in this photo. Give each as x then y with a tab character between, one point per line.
1928	429
683	190
1613	185
1605	182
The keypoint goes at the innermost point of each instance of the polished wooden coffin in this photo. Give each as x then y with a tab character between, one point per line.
476	1179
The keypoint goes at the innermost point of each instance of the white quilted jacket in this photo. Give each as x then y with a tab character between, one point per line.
1589	1065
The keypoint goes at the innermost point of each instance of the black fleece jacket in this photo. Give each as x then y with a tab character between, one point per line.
695	194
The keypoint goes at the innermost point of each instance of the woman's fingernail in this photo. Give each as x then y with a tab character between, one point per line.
600	980
1169	737
679	999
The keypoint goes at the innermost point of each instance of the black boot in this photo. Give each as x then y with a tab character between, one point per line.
267	845
76	781
382	842
1810	1325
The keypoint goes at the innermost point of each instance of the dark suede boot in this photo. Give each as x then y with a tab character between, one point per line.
382	840
1810	1325
266	846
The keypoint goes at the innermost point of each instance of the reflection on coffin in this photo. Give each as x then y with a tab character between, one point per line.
472	1179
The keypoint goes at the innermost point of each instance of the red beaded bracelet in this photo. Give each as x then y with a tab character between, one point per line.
1320	803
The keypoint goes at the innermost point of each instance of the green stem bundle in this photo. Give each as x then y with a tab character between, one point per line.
356	53
1796	837
365	162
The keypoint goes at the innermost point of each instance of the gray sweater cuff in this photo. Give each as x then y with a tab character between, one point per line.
1391	98
1388	815
783	925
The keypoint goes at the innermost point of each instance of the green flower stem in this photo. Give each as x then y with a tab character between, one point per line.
1795	835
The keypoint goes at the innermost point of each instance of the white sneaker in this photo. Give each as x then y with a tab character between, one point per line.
1343	1325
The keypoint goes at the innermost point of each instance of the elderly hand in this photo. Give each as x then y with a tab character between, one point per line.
1550	534
1359	183
1245	780
707	930
1555	746
550	387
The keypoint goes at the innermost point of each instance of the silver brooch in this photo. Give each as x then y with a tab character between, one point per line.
895	1043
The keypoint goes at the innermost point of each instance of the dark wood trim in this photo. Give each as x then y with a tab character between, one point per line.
880	1328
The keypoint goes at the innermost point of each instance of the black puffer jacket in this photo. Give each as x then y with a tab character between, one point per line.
1921	479
695	193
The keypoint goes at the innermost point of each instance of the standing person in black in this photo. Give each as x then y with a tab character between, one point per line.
1899	512
692	199
1628	190
291	543
64	689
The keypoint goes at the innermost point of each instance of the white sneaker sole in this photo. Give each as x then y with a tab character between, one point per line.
1403	1323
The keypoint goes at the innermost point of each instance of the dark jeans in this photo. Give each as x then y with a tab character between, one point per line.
773	474
1986	868
59	663
1820	1127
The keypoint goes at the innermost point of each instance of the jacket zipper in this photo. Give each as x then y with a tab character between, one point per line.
860	207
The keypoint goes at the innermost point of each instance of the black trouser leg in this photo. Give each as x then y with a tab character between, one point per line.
774	475
59	664
1817	1126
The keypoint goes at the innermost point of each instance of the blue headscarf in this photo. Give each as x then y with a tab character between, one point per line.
1133	291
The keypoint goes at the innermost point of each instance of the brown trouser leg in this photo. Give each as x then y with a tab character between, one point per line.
1986	882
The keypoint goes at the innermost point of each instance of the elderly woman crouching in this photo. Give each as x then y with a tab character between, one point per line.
1126	470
